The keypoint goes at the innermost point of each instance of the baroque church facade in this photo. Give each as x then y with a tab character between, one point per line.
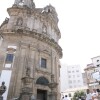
29	50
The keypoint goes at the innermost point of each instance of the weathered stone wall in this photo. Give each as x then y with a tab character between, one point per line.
37	28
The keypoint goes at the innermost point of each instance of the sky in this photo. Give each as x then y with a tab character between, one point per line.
79	23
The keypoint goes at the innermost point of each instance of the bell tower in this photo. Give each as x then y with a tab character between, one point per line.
30	36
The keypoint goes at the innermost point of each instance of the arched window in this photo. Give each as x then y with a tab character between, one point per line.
42	81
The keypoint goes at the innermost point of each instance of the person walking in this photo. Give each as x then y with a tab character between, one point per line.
95	95
66	98
88	95
98	91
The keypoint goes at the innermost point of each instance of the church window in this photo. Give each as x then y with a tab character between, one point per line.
43	63
9	58
11	50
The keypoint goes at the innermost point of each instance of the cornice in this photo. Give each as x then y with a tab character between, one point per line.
41	37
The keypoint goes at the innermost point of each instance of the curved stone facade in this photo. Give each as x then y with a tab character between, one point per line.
38	28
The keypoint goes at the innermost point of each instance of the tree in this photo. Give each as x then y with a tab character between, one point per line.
78	94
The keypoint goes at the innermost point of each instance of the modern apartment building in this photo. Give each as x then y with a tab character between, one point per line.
71	77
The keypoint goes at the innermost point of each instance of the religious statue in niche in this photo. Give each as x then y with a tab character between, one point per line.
44	28
28	71
19	22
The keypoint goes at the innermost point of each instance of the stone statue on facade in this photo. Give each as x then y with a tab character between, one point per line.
28	3
28	71
19	22
17	2
44	29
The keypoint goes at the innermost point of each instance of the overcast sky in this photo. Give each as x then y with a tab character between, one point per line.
79	23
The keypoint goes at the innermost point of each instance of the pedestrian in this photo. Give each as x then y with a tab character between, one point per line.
95	95
98	91
88	95
79	98
66	98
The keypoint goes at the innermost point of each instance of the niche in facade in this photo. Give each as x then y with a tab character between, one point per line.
44	29
19	21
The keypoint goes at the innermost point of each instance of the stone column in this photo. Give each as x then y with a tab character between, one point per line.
52	86
27	80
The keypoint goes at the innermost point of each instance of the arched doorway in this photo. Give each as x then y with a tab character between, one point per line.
42	94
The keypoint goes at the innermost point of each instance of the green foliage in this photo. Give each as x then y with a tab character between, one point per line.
78	94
